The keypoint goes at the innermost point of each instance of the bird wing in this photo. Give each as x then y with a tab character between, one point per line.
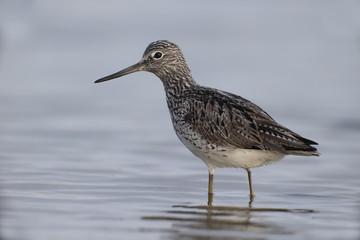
227	119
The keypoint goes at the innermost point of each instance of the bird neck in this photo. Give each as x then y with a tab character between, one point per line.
176	85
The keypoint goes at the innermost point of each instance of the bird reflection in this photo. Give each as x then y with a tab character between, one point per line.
190	221
211	197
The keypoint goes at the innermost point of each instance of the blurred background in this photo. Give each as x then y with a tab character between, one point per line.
86	161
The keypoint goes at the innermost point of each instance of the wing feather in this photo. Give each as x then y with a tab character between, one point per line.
230	120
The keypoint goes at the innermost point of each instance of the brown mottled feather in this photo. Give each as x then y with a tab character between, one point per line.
227	119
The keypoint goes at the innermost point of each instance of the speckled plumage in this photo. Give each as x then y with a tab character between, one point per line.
223	129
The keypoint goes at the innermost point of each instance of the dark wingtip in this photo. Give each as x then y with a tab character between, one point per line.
305	149
311	149
307	141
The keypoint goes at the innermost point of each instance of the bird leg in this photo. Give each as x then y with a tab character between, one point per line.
250	183
211	186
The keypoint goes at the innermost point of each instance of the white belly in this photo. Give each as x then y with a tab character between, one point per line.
239	158
222	157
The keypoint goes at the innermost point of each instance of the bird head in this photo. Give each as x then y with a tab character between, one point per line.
162	58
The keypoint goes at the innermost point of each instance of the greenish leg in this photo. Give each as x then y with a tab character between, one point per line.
211	187
250	183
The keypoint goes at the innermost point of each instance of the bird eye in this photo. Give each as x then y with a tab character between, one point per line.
158	55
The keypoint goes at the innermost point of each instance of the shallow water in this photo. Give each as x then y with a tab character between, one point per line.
86	161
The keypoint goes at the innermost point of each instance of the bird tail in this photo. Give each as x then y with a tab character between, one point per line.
304	153
307	151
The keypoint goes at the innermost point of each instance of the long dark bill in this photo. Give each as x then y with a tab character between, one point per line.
134	68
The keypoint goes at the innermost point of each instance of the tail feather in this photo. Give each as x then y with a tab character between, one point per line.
304	153
306	150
